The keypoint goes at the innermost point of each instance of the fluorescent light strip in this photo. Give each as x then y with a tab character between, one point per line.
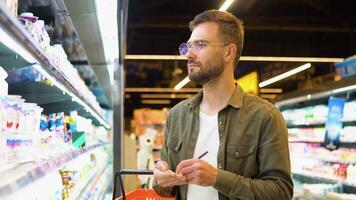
315	96
166	96
186	90
155	57
284	75
271	90
242	58
182	83
74	97
11	44
226	5
290	59
146	101
268	96
344	89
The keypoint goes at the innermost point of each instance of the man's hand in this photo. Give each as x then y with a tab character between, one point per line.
197	172
165	177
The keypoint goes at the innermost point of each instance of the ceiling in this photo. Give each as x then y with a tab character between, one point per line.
293	28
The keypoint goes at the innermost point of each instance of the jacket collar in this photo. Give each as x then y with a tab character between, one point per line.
235	101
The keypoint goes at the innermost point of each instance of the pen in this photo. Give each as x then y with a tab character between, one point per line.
202	155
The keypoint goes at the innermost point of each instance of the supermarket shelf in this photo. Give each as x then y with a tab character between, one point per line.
90	183
49	97
319	125
32	53
325	90
305	141
309	177
106	182
27	173
313	157
10	60
342	144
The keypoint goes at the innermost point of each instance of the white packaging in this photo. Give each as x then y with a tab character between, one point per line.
3	84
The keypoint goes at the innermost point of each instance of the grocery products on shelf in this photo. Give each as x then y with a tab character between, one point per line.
36	28
320	190
50	122
323	172
313	115
71	173
26	37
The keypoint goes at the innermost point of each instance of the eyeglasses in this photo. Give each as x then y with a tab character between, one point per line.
196	46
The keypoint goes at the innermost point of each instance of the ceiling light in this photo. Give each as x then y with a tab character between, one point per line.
284	75
268	96
226	5
242	58
271	90
153	101
182	83
155	57
186	90
166	96
289	59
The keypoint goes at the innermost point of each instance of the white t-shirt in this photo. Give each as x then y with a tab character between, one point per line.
208	140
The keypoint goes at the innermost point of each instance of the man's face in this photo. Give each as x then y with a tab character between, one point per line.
207	63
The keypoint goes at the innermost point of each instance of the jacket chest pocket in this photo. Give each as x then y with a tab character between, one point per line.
174	151
240	159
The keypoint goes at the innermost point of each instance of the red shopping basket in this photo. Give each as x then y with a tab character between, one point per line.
138	194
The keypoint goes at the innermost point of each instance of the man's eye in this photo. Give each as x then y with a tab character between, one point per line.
202	44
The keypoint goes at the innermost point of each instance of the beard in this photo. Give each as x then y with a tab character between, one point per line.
204	74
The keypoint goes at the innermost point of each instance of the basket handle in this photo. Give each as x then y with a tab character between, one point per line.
127	172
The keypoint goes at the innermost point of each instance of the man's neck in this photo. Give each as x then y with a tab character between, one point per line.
216	94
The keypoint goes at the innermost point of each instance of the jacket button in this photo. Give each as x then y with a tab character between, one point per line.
237	153
220	123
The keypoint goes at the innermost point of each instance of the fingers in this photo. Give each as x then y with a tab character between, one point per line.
166	177
169	178
183	164
162	166
197	172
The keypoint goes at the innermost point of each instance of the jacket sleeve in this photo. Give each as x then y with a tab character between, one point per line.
274	177
165	192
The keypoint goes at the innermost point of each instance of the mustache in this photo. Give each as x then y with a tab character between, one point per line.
193	62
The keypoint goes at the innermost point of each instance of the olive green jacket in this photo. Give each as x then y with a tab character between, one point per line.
253	156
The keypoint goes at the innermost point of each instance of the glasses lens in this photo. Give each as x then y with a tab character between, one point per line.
183	49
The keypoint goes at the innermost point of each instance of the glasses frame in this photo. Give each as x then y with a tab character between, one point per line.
197	48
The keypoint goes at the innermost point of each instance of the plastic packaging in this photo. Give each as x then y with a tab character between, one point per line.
3	84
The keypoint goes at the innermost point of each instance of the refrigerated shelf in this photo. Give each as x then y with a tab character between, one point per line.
309	177
26	173
25	51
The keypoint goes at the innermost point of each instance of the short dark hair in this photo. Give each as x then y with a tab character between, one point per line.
231	29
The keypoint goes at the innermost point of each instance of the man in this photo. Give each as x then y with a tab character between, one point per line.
245	136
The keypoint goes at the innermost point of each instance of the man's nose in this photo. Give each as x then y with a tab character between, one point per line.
191	54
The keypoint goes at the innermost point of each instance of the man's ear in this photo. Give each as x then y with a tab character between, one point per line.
230	53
